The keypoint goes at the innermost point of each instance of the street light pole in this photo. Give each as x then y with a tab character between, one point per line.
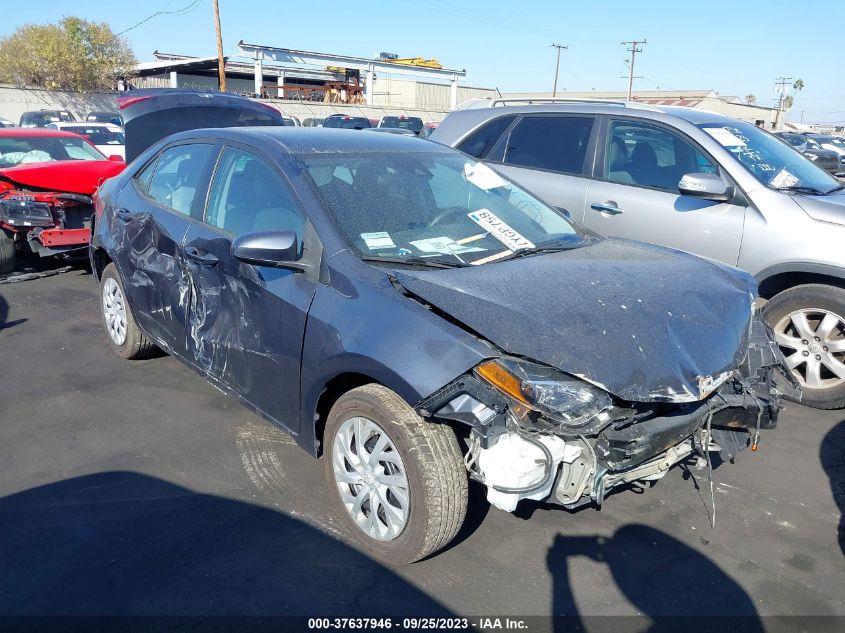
557	65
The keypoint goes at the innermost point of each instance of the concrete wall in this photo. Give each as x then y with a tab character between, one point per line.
16	101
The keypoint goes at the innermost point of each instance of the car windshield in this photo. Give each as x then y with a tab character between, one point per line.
771	162
97	135
406	123
17	150
433	206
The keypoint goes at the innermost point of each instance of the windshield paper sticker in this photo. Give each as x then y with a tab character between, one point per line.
444	246
483	177
488	220
783	179
376	241
724	137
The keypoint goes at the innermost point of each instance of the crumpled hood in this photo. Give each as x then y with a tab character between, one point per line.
645	323
829	208
66	176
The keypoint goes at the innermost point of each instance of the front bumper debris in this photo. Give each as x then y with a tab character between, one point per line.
640	442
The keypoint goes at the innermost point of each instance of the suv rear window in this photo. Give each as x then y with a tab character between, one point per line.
479	143
347	122
556	143
405	123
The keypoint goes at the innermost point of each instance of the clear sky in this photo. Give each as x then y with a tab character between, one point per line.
736	47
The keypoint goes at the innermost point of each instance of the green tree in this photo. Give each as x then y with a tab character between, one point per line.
750	99
788	100
74	54
798	85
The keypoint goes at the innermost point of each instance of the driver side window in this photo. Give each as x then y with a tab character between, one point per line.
247	195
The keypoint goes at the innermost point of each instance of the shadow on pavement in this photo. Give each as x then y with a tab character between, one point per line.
121	543
832	455
660	576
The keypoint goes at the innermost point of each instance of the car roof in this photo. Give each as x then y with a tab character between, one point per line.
35	131
298	140
634	108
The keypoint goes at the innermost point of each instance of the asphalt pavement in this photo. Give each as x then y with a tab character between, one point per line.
137	488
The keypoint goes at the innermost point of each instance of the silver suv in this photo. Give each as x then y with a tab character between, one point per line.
696	181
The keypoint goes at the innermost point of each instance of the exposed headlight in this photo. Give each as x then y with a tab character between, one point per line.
23	212
576	407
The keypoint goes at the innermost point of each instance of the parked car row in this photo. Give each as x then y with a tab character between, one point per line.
414	317
43	118
695	181
827	159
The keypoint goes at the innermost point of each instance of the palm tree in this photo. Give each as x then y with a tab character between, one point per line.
750	99
799	84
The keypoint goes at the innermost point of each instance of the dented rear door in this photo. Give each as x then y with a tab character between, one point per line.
149	221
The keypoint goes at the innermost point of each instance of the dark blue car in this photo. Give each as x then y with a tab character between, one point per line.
412	318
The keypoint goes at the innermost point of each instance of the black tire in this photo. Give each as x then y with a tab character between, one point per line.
809	297
136	345
437	480
7	252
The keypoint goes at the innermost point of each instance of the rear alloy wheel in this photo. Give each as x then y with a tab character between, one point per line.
397	481
809	326
125	337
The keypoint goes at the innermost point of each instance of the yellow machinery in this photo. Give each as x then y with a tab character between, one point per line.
415	61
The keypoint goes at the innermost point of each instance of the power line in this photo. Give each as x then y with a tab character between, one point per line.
183	11
633	50
559	47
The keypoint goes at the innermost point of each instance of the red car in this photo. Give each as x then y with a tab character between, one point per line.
47	178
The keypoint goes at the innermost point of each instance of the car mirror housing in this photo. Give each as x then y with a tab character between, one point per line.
278	248
708	186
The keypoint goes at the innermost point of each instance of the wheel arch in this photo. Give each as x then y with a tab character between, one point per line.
99	260
781	277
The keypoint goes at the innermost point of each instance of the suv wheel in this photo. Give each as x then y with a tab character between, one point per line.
125	338
809	326
398	482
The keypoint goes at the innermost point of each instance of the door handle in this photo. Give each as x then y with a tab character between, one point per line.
606	207
203	258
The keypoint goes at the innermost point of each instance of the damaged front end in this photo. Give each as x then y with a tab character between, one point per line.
537	433
47	223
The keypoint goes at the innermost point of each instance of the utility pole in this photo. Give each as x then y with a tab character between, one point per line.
780	87
221	63
633	50
557	65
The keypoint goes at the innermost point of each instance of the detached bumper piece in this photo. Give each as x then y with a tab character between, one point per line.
517	457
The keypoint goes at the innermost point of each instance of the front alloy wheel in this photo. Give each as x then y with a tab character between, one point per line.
396	481
371	478
114	311
809	326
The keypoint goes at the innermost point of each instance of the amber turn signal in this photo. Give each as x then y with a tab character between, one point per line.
500	377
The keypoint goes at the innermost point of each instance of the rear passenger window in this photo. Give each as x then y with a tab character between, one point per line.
480	142
248	195
650	156
556	143
143	177
179	173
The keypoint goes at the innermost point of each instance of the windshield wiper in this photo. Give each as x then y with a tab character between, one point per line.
803	189
541	249
413	260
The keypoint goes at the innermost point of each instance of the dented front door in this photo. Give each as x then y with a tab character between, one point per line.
246	323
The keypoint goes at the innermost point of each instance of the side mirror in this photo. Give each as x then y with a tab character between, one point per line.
116	158
267	248
707	186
